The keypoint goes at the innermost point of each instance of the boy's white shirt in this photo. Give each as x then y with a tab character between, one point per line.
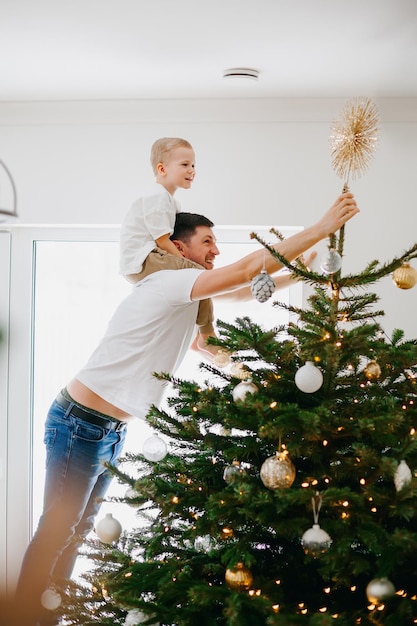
149	218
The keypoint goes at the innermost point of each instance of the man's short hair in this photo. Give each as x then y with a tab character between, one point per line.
162	148
186	224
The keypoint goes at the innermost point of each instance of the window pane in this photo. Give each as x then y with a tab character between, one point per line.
77	288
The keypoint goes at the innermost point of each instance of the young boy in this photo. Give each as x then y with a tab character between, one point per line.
145	245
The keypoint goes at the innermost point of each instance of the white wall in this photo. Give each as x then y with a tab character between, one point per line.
260	162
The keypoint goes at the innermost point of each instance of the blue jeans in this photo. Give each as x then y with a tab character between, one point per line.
76	481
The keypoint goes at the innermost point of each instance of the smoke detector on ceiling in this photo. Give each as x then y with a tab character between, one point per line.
241	73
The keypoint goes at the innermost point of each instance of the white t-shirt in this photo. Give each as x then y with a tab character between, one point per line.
148	219
150	331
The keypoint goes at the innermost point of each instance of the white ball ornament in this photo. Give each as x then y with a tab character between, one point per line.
135	617
316	541
50	599
203	543
154	448
379	589
309	378
402	475
242	389
108	529
331	262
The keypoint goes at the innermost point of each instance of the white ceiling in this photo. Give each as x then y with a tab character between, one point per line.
132	49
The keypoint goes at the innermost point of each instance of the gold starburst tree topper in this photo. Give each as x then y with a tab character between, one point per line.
354	139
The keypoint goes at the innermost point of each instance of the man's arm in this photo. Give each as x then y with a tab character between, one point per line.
240	273
244	294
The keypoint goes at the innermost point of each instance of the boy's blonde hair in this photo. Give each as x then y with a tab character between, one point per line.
162	148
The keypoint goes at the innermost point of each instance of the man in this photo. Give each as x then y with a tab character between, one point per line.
150	331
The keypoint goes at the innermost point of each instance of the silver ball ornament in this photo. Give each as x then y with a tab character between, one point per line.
379	589
50	599
232	472
278	471
154	448
203	543
331	262
316	541
262	286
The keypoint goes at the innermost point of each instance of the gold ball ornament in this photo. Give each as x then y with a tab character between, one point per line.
405	277
222	358
372	370
238	370
278	471
238	577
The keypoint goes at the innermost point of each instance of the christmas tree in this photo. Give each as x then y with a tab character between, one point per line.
287	492
286	495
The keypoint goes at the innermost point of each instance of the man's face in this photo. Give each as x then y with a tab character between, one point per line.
201	247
